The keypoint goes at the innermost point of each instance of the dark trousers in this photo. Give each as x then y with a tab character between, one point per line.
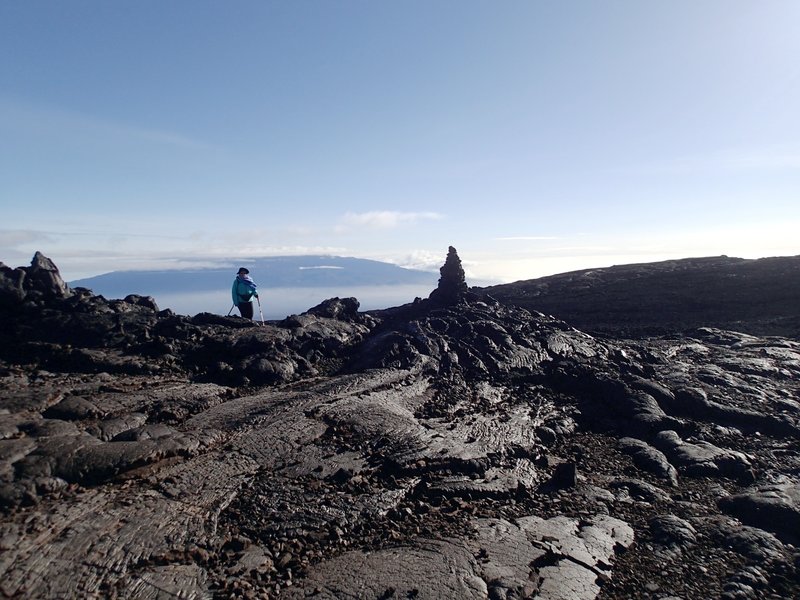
246	308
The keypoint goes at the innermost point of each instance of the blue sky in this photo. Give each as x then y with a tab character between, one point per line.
535	137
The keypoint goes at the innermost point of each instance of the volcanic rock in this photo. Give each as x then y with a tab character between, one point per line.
452	284
40	281
453	447
774	507
759	297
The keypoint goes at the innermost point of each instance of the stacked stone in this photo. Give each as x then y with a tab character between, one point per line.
452	286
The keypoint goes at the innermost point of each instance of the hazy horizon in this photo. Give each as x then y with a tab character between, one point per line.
232	265
280	302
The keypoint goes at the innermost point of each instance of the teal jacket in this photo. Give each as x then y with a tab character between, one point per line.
243	290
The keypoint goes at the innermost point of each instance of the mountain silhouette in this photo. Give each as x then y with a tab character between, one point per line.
272	272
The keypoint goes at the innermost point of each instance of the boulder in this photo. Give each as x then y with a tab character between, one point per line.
650	459
670	530
753	543
774	508
146	301
702	458
343	309
44	280
12	286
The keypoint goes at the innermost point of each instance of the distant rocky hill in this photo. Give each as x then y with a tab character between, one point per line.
760	297
273	272
456	448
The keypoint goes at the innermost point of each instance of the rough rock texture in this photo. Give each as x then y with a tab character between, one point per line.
434	450
40	281
452	284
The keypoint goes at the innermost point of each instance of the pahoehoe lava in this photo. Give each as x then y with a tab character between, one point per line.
459	446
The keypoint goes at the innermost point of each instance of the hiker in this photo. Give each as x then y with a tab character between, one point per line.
243	290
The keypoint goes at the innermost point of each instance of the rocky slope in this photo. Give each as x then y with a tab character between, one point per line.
455	447
760	297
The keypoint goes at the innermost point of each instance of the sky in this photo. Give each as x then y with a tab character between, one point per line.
536	137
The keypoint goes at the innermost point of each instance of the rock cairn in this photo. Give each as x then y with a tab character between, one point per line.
452	286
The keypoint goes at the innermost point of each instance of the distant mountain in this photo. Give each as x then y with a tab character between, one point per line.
273	272
761	297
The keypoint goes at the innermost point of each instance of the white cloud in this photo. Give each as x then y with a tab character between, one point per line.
80	254
15	237
385	219
525	238
321	267
422	260
256	250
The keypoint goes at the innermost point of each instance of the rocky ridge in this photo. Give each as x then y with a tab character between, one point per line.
454	447
755	296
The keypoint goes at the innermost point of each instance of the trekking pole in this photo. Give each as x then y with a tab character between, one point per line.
259	310
231	310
